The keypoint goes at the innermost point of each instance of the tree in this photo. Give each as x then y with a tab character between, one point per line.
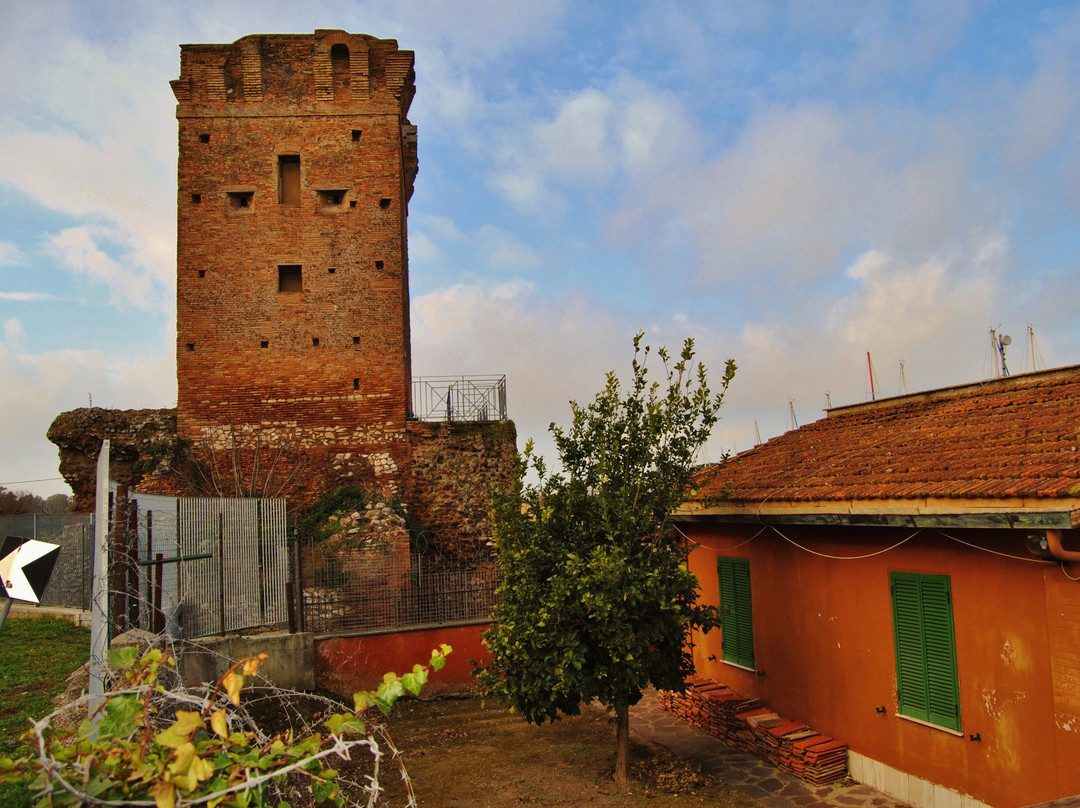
19	502
57	503
596	598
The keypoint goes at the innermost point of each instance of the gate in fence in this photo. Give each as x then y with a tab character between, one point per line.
208	566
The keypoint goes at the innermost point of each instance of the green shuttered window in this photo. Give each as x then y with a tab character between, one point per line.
736	612
926	678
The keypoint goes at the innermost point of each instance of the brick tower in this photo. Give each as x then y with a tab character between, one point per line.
296	164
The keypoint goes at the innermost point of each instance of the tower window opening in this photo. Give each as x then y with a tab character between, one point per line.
332	197
202	273
378	265
289	179
240	199
264	343
196	199
355	384
204	138
356	340
339	66
314	342
356	135
290	278
384	203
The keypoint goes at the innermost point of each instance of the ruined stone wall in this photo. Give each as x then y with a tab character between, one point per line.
453	469
141	442
296	164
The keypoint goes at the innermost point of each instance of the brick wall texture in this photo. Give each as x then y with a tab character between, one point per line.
292	297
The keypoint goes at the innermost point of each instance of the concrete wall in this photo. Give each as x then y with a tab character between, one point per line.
291	663
824	652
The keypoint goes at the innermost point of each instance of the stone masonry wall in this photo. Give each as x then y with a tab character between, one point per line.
453	470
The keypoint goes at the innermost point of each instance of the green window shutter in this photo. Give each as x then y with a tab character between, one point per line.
926	674
737	616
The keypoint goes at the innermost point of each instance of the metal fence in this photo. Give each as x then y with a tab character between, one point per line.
70	583
460	398
363	592
211	566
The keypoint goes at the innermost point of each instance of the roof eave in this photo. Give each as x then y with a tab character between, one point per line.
900	515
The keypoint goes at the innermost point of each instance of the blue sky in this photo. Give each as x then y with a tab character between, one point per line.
793	184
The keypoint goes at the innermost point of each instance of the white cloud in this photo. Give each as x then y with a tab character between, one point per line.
39	386
10	254
27	297
78	249
13	330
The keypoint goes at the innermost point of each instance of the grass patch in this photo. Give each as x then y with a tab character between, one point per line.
36	657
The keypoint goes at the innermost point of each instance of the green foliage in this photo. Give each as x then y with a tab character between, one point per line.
315	525
596	597
140	749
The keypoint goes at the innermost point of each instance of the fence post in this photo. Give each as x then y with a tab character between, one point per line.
221	568
298	579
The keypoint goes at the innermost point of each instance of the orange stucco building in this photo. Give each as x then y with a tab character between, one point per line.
897	575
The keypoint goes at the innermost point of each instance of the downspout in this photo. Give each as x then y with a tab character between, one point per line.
1053	542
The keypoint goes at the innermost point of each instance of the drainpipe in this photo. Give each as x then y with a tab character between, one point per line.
1053	541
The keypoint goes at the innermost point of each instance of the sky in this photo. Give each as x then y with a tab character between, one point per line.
793	184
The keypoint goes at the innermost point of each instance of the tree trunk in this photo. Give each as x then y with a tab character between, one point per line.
622	747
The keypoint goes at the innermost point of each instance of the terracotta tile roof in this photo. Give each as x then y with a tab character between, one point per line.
1017	437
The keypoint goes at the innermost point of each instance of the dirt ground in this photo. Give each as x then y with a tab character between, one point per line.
465	753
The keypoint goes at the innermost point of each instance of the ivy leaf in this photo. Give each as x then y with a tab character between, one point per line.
122	658
219	724
252	663
164	794
415	681
233	683
180	732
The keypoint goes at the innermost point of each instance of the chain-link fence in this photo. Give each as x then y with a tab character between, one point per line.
368	591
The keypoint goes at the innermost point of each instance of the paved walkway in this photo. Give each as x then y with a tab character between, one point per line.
745	772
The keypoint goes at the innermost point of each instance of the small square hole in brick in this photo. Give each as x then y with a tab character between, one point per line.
314	342
384	203
202	273
196	198
378	265
204	138
356	340
191	346
356	135
240	199
352	203
264	343
332	270
355	384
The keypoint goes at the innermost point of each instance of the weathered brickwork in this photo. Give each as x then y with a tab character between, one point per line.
296	164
